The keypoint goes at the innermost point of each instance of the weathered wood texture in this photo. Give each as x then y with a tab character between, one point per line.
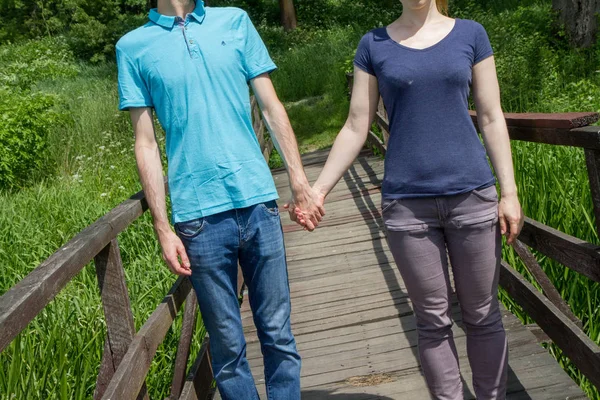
582	351
198	385
592	160
559	129
21	303
541	120
352	317
574	253
130	375
185	340
120	327
542	279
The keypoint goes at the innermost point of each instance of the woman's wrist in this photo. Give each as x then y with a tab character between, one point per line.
509	193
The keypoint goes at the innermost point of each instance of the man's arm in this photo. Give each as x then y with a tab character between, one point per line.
278	124
151	175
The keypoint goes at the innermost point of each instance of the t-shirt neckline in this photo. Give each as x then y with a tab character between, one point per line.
442	40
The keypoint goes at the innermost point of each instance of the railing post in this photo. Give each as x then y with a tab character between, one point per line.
542	279
198	385
383	113
183	350
592	159
120	327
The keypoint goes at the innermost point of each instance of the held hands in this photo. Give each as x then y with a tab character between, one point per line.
173	252
306	208
511	217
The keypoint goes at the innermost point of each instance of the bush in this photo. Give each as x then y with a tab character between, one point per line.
26	122
21	66
91	27
28	117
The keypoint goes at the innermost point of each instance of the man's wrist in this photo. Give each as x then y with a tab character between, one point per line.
299	185
162	228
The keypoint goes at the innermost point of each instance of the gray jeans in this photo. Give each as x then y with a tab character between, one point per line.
422	234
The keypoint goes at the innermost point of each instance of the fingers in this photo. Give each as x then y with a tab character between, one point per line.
513	232
502	224
185	261
172	254
321	210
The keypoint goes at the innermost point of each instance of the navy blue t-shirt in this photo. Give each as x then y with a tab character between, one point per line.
434	149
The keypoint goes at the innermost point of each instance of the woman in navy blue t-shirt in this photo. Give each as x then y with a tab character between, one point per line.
440	205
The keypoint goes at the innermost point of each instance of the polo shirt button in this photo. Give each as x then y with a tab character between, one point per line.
191	42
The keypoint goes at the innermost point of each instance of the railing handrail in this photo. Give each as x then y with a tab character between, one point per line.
22	302
127	355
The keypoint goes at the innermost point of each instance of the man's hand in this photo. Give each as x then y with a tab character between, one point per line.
511	217
306	208
173	252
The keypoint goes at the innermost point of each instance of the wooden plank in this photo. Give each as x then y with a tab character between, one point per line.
381	118
21	303
383	122
563	121
199	382
542	279
592	159
130	375
582	351
573	253
120	327
558	129
185	340
374	141
569	129
588	137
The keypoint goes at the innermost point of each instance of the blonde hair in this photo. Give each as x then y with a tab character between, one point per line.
442	6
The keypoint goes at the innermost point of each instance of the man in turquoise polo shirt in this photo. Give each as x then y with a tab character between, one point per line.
192	64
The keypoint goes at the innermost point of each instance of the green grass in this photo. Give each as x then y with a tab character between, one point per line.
58	355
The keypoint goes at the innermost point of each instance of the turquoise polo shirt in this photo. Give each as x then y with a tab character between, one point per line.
195	74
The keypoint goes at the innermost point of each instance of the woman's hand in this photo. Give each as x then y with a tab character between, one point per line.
511	217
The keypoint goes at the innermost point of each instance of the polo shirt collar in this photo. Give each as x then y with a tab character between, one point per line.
168	21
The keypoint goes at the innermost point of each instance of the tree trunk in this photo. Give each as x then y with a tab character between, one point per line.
579	19
288	15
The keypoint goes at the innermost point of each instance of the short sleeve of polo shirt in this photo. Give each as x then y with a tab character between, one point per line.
482	46
362	59
133	91
256	56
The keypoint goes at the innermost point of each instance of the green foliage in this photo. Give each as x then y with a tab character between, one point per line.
21	66
26	121
91	27
88	167
28	117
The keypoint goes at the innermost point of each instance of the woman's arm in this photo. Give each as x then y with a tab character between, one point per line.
492	124
350	140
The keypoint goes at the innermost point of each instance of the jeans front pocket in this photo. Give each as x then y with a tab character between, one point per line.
270	207
190	229
488	194
387	205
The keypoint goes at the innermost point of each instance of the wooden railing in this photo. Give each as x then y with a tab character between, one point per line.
551	313
127	355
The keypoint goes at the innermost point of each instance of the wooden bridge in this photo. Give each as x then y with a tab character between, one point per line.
350	312
351	315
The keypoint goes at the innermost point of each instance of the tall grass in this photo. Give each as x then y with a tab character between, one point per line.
58	355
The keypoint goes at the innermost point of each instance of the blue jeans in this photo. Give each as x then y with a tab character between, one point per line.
215	244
